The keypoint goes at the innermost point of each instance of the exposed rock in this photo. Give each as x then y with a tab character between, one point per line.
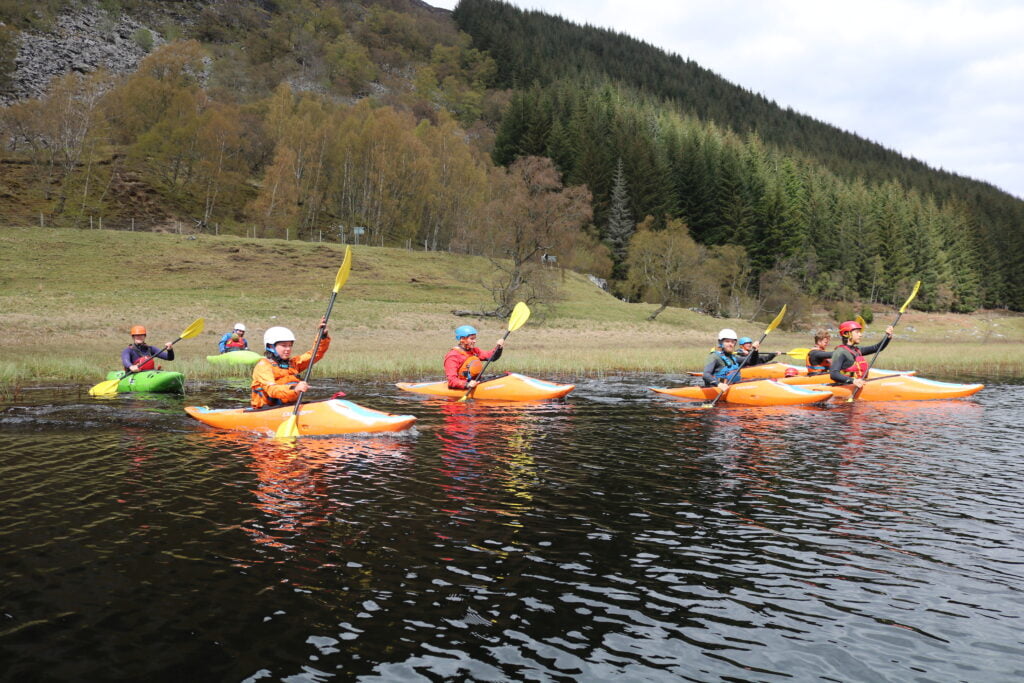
83	40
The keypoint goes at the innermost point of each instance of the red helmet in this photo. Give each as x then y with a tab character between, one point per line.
849	326
792	372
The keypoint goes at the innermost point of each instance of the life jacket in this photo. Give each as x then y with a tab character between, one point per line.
149	363
730	372
823	366
284	374
859	368
471	367
232	344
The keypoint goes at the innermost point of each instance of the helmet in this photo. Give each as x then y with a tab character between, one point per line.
848	327
727	333
464	331
239	326
792	372
138	329
744	340
277	334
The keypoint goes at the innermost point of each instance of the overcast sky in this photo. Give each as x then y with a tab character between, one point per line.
939	80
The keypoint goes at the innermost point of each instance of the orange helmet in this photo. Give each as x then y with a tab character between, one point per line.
138	329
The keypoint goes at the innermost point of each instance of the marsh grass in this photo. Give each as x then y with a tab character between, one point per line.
68	297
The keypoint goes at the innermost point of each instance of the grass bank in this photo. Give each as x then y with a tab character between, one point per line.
68	297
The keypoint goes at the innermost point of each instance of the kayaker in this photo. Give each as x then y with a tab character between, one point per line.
275	378
722	368
234	340
464	361
849	363
140	356
748	347
820	358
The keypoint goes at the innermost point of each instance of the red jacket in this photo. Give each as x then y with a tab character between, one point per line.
454	359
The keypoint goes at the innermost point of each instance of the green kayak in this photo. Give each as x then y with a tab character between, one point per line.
150	380
247	358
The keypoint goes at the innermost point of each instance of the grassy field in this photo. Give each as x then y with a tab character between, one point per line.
68	297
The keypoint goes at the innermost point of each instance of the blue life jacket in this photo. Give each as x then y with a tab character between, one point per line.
730	372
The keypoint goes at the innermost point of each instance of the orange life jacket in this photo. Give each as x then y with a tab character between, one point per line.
859	368
471	367
283	376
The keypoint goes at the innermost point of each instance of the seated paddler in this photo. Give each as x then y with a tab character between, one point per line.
819	359
275	378
464	362
849	361
723	365
140	356
748	347
234	340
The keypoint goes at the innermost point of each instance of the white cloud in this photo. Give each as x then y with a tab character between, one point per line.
941	81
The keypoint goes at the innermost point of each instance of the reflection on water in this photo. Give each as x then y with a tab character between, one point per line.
615	534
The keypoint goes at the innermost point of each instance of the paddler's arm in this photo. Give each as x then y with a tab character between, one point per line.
495	353
709	371
880	345
166	354
841	359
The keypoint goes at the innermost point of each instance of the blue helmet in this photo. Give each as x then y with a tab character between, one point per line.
744	340
464	331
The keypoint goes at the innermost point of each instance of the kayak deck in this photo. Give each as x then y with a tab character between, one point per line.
317	418
154	381
510	387
904	388
760	393
246	358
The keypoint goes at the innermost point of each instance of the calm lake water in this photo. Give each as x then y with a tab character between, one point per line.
612	535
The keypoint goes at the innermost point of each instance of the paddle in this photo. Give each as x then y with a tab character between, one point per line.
289	429
899	315
798	354
520	314
771	326
109	386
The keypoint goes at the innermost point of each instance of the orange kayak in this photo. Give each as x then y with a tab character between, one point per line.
762	393
334	416
899	388
510	387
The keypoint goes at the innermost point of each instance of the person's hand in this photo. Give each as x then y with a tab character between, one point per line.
888	331
756	345
722	386
133	368
500	343
858	382
168	345
301	387
471	383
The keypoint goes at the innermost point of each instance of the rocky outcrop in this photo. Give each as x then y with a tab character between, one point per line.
83	40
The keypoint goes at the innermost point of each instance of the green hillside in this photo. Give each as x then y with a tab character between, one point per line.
69	296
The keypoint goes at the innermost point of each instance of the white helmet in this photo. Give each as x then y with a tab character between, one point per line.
277	334
239	326
727	333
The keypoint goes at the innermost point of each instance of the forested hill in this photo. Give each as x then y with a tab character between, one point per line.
536	50
493	131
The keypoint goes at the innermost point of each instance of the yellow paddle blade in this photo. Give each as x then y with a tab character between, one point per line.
520	314
778	319
105	388
346	266
903	309
860	321
193	329
798	354
289	429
